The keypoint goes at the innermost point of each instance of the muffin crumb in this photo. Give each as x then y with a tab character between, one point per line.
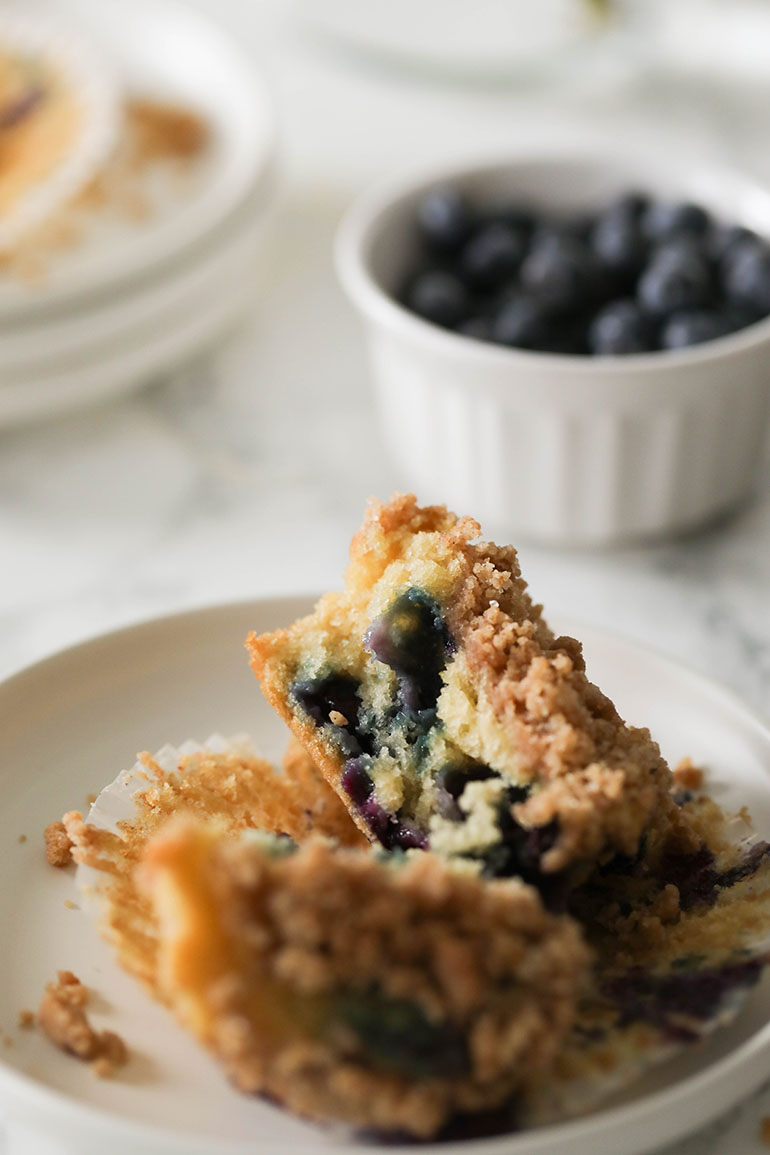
764	1130
26	1019
58	845
62	1017
688	775
114	1055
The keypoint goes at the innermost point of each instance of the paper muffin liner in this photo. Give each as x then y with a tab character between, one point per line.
116	803
635	1016
646	1009
35	33
223	780
221	777
590	1071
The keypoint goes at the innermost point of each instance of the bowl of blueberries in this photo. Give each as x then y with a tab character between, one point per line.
577	346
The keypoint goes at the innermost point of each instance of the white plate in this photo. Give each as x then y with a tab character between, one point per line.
54	341
106	351
168	51
146	356
72	721
509	38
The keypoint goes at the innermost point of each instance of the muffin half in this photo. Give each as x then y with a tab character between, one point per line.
446	714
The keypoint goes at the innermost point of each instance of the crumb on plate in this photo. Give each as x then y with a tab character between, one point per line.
58	844
62	1017
157	137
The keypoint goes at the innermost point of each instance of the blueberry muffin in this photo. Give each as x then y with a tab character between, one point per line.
356	986
440	706
40	121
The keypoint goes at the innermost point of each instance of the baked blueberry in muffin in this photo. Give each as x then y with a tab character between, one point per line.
354	986
440	706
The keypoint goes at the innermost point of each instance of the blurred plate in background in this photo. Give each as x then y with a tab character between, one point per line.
135	293
161	51
101	352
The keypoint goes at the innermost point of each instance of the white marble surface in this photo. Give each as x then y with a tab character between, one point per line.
246	473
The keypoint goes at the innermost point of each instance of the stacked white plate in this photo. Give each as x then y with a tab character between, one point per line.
137	297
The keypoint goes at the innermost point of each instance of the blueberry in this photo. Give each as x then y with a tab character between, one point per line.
454	779
444	219
377	818
739	317
397	1036
451	782
575	227
411	637
521	323
492	256
629	206
662	221
747	277
388	829
319	696
669	1000
579	226
520	851
568	336
698	879
561	271
617	240
335	693
678	277
693	328
439	297
408	837
356	780
725	241
516	216
681	248
620	328
478	327
746	867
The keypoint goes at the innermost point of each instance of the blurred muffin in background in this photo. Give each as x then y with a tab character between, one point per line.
39	116
58	118
77	144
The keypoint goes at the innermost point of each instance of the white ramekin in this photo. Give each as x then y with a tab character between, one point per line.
561	449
